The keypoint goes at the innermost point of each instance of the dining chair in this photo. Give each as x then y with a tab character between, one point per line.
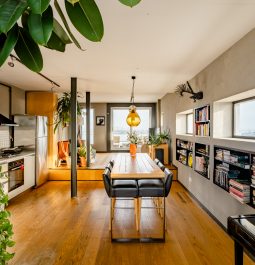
120	189
155	188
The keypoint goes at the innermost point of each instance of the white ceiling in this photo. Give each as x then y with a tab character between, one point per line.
162	42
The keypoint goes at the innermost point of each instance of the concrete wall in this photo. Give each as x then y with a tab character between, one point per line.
230	74
100	142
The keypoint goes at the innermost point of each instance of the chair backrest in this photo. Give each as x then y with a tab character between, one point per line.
161	166
110	165
156	161
107	181
112	162
168	180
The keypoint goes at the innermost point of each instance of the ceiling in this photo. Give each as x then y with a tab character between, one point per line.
163	43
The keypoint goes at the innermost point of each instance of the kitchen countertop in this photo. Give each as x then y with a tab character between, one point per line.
18	156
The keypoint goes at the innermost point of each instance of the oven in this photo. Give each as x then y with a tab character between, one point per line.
15	174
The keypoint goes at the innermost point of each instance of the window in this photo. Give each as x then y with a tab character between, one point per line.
189	123
119	127
83	125
244	118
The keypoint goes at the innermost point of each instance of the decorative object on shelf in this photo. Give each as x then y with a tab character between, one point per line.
186	88
40	28
100	120
63	111
133	119
83	155
5	227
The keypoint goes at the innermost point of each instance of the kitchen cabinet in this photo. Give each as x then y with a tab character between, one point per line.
29	176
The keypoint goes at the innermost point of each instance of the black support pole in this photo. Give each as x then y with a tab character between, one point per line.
73	125
88	127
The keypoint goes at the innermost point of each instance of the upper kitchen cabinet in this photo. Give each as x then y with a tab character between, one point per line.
4	100
18	99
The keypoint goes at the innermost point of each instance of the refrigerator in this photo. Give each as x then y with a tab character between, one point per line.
32	134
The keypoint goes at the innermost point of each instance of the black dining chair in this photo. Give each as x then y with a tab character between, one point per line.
156	161
119	189
161	166
156	188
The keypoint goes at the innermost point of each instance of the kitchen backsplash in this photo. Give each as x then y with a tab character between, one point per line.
4	138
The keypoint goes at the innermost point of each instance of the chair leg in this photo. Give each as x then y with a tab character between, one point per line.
113	201
136	204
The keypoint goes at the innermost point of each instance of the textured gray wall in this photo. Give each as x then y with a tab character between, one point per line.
230	74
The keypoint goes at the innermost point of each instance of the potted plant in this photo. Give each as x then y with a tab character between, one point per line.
133	141
5	228
83	155
164	137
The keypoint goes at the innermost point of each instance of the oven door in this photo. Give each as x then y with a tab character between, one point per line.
15	174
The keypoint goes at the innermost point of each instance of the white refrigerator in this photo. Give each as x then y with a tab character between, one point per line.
32	133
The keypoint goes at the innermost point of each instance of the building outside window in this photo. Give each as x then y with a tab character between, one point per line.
83	126
244	118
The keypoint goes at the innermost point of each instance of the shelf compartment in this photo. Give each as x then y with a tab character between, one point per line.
202	121
202	159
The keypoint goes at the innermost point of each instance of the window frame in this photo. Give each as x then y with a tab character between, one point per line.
191	113
92	123
233	118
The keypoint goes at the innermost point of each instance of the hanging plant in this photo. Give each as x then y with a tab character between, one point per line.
40	28
63	111
5	229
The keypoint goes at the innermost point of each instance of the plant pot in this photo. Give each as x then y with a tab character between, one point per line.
83	161
132	149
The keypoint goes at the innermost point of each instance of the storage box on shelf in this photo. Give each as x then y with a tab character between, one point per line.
202	121
202	153
232	172
184	151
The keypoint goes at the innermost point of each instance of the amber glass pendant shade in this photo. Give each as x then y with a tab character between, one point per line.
133	118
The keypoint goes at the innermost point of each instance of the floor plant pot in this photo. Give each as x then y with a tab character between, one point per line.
132	149
83	161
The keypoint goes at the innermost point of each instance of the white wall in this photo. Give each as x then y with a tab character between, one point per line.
230	74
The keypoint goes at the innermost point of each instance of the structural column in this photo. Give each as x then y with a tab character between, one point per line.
73	125
88	127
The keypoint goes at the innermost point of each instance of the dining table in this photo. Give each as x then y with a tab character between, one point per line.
140	166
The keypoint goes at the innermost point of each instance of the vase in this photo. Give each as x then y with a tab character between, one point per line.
132	149
83	161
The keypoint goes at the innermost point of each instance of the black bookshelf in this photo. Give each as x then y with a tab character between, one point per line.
233	171
202	154
202	121
184	151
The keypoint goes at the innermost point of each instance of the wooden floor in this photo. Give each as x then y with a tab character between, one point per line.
50	228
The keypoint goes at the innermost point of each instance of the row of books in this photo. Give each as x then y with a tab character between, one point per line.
203	129
202	114
240	189
201	165
226	155
186	145
253	180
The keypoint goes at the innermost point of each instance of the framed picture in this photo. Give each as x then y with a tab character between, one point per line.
100	120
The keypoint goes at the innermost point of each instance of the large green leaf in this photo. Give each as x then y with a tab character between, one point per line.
66	24
41	26
10	12
24	19
130	3
86	18
7	43
28	51
59	38
38	6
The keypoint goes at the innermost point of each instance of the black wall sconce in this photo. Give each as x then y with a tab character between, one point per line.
186	88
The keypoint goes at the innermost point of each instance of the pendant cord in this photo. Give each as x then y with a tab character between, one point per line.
133	90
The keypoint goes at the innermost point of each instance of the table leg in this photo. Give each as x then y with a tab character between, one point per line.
238	254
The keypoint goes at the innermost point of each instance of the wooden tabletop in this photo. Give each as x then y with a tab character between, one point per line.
140	166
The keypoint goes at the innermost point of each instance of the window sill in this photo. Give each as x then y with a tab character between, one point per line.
236	139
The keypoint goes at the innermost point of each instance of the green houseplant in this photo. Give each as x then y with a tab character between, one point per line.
5	229
39	27
133	139
63	111
83	155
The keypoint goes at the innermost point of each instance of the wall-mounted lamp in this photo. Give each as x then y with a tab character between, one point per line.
186	88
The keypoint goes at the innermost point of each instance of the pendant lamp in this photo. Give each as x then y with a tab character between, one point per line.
133	118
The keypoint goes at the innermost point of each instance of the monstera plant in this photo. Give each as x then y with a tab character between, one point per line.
27	24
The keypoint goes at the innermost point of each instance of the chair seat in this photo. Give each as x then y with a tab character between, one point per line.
151	188
124	188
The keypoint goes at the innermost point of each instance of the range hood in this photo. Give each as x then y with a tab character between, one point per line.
6	122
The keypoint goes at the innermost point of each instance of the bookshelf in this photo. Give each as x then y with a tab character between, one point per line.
253	180
233	172
184	151
202	154
202	121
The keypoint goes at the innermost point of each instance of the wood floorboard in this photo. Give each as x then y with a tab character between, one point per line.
52	229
